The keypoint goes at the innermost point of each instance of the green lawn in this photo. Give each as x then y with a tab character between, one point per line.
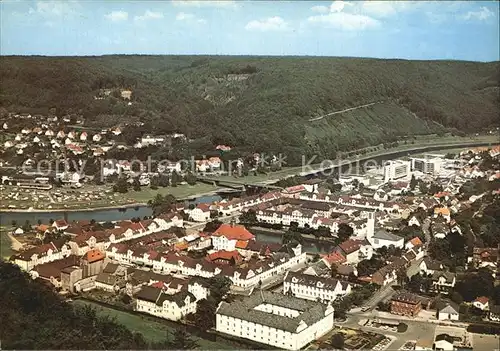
151	330
179	192
5	244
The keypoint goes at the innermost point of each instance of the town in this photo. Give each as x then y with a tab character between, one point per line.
409	260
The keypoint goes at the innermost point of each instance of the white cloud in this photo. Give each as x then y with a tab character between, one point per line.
208	3
390	8
345	21
117	16
55	8
320	9
338	6
189	17
346	16
269	24
482	14
149	15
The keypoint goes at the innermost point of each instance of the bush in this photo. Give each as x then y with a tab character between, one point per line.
402	327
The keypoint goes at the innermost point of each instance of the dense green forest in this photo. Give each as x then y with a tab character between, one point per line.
262	103
33	317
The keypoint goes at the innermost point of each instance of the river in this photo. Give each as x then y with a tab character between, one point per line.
6	218
309	246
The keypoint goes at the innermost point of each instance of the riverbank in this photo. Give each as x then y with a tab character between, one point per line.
9	245
100	208
15	244
84	209
191	193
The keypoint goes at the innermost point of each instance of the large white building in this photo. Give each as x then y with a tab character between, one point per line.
315	288
274	319
427	165
396	169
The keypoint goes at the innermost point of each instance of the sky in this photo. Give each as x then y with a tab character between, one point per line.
458	30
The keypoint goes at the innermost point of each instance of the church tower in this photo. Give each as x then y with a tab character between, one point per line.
370	226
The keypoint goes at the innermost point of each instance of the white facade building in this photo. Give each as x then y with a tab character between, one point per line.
174	306
381	238
396	169
427	165
314	288
274	319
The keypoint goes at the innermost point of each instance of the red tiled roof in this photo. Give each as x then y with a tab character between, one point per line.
234	232
204	207
224	255
295	189
94	255
334	258
482	299
61	223
241	244
350	246
416	241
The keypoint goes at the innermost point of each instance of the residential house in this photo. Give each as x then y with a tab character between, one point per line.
413	221
486	257
156	302
355	251
45	253
482	302
494	314
200	213
429	266
52	271
413	243
314	288
444	342
443	282
383	238
227	236
443	212
406	304
439	229
447	311
60	224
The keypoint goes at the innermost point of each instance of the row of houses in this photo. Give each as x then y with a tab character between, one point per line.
83	241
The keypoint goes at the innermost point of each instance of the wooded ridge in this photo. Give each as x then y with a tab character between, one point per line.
261	103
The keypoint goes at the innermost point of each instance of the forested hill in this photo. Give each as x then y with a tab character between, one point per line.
261	103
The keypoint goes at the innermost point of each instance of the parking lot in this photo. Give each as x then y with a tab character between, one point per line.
485	342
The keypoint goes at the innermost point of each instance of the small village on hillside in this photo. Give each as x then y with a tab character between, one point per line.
412	264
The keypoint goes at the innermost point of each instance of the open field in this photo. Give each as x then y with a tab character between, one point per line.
482	342
5	243
153	331
181	191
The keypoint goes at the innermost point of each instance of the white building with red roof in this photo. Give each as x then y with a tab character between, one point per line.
45	253
227	235
60	224
200	213
482	302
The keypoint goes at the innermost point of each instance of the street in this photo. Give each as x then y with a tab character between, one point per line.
416	330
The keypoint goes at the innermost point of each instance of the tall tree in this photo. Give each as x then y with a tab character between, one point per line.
182	340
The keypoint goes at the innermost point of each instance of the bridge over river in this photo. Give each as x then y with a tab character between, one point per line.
314	170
